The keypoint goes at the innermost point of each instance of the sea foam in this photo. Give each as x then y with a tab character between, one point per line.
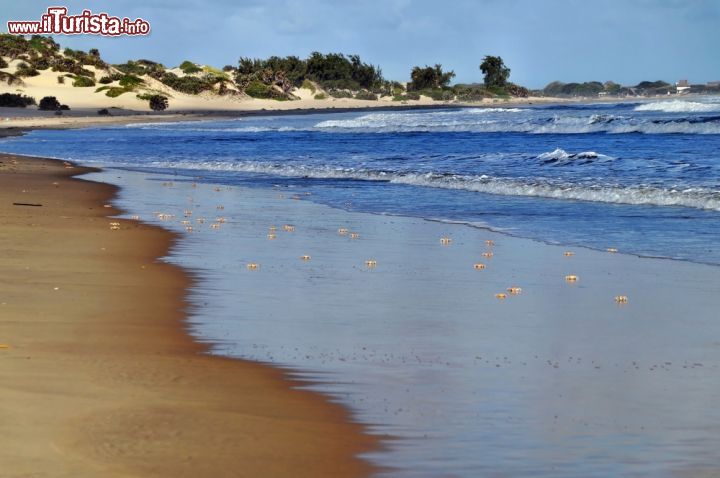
679	106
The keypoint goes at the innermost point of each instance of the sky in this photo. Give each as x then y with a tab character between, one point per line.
540	40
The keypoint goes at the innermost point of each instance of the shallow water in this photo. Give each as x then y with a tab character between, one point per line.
557	381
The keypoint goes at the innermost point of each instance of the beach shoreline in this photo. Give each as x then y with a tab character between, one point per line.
419	346
100	374
472	336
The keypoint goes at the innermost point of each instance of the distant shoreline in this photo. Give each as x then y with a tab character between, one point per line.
17	121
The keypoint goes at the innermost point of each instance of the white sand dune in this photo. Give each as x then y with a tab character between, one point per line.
46	84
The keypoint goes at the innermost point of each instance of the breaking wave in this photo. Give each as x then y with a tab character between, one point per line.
660	117
560	156
492	122
700	198
679	106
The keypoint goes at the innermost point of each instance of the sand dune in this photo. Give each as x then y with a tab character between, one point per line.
46	84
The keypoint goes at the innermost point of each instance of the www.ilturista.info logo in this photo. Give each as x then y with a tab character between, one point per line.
57	21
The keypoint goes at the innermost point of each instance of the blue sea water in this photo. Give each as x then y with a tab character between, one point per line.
557	382
641	177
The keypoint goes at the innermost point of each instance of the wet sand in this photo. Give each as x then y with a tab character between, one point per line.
99	375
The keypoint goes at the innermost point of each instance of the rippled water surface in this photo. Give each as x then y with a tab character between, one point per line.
641	176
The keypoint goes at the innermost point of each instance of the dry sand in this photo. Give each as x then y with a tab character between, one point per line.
99	377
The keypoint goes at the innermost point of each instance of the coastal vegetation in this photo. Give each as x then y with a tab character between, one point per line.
324	75
339	75
158	102
608	88
50	103
24	70
495	71
14	100
83	81
429	78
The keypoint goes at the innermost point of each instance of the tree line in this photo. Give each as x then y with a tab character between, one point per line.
325	74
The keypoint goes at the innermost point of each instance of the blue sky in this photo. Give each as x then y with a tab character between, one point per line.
540	40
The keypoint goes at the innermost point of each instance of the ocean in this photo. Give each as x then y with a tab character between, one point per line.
641	177
549	384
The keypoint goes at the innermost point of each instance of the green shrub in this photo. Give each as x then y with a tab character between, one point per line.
130	81
41	63
105	80
516	90
131	68
61	80
438	95
83	82
320	96
10	79
307	84
158	102
497	90
43	44
16	101
340	94
411	95
430	77
49	103
473	92
366	95
115	91
188	84
27	71
69	65
189	67
258	89
3	63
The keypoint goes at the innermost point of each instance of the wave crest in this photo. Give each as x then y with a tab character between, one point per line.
699	198
560	156
679	106
486	123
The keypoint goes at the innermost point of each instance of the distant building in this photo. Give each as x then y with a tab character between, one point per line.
713	84
682	86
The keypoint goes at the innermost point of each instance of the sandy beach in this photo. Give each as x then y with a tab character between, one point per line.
99	375
556	360
360	240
